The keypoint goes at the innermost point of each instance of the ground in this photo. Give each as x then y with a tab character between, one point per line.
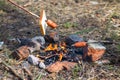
99	20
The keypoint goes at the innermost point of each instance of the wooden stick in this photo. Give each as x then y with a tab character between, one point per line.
11	69
103	41
46	57
23	9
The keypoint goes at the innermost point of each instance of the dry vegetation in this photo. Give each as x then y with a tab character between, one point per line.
98	19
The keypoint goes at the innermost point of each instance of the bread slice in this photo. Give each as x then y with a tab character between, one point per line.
42	22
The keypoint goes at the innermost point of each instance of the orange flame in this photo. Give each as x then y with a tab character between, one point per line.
51	47
60	56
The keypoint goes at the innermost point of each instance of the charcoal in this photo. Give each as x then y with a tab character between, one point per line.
51	60
73	57
34	44
52	37
76	50
39	39
24	41
29	42
71	39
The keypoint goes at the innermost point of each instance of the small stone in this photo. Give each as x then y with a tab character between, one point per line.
42	65
101	62
33	60
94	2
26	64
0	60
1	45
71	39
39	39
24	41
116	25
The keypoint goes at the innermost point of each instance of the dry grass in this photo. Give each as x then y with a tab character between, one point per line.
94	21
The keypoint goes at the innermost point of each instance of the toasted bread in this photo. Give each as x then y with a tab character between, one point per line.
43	24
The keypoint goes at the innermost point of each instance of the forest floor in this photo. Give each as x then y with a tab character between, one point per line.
98	20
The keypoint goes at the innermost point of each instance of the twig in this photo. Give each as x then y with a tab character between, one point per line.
12	70
104	41
46	57
23	8
29	73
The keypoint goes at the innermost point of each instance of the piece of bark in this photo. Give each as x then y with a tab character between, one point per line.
58	66
55	67
21	53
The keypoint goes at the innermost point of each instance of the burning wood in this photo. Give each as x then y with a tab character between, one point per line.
58	48
51	47
21	53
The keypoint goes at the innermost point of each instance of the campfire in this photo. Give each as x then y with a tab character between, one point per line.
55	54
52	51
56	51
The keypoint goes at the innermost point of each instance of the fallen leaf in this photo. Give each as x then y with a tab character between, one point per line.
58	66
55	67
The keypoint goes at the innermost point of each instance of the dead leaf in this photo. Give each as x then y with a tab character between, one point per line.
58	66
55	67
